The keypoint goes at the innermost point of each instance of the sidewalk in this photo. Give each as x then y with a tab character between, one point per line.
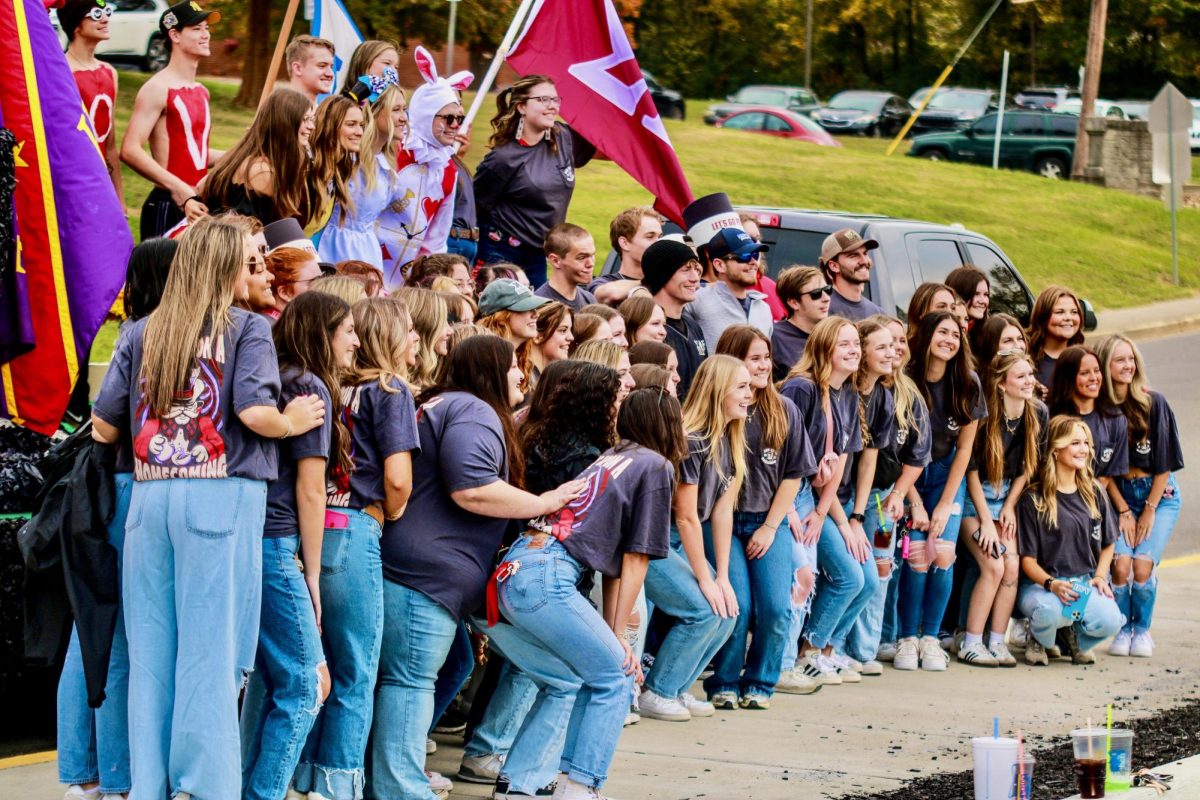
867	737
1151	321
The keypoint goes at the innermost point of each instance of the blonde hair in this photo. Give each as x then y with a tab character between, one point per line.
1136	406
429	317
990	441
865	328
736	341
704	416
599	351
366	151
1045	488
817	362
347	287
364	55
465	330
905	393
195	303
382	325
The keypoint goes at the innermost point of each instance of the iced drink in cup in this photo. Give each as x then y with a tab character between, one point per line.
1022	786
1091	762
1120	760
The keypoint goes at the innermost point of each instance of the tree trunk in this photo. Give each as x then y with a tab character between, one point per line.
258	53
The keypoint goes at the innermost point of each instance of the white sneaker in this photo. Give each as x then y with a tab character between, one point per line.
845	667
668	709
1018	634
292	794
439	782
907	654
933	657
794	681
430	747
724	701
1035	654
976	655
480	769
1002	655
1121	643
1141	646
695	706
755	701
872	667
886	651
818	668
77	792
112	796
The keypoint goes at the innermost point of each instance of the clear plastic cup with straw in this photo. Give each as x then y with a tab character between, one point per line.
1090	762
994	759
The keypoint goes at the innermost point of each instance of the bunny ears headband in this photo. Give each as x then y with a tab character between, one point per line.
432	95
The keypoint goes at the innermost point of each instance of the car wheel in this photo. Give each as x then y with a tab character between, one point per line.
156	54
874	132
675	112
935	155
1051	167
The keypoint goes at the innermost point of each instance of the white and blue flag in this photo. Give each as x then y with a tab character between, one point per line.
331	21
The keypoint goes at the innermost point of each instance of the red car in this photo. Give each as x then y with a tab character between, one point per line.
781	123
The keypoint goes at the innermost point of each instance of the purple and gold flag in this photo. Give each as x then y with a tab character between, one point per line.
73	242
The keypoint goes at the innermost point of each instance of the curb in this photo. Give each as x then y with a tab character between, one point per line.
1185	773
1154	330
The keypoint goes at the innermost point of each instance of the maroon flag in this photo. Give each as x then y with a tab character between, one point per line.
582	46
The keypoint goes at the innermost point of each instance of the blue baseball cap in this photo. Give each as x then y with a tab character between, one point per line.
734	242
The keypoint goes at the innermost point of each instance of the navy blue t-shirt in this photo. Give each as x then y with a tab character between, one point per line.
853	310
1012	444
767	467
880	416
201	436
282	513
381	424
685	337
1160	450
1110	435
712	478
942	424
438	547
626	509
787	345
912	442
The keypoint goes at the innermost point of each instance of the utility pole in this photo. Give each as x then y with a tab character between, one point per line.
808	39
1091	82
450	30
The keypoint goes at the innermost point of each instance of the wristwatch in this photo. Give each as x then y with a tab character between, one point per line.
1046	583
859	518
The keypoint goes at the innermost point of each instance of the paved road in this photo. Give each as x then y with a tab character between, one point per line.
1174	367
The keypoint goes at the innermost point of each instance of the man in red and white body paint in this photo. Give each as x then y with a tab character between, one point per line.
171	113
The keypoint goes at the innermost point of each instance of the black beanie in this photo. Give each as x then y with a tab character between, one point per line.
661	260
72	14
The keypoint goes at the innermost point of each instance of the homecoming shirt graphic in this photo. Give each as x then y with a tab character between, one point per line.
187	442
568	519
337	487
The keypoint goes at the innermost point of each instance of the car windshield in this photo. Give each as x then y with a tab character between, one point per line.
761	96
970	101
857	100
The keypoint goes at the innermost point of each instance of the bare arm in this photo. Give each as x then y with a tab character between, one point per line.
103	432
687	522
505	501
148	107
302	414
633	575
310	511
614	292
397	484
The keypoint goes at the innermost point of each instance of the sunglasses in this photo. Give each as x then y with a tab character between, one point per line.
815	294
451	120
98	13
747	259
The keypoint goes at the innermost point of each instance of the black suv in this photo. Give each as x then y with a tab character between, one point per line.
669	102
952	109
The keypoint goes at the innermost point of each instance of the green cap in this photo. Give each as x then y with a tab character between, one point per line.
505	294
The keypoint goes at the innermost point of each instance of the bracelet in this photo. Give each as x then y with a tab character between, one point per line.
288	433
196	197
1152	506
916	503
858	516
1046	584
1126	511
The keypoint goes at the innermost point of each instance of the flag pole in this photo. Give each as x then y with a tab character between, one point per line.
273	72
501	53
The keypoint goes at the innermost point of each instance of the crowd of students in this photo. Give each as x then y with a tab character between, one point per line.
383	468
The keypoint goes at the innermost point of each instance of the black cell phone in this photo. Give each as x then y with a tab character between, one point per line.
999	545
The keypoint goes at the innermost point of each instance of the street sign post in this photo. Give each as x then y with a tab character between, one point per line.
1170	119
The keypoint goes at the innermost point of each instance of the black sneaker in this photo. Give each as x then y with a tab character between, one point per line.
502	792
452	723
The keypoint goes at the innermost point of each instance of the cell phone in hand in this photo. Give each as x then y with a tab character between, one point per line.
995	551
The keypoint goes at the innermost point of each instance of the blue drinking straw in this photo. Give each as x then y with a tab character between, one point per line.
995	727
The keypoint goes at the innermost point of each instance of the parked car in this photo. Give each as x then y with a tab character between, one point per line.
916	97
1045	98
1103	108
867	113
134	33
954	109
1039	141
1135	109
910	252
1194	136
669	102
779	122
792	98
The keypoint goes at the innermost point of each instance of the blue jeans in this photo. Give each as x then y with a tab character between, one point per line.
863	642
923	596
1136	600
1101	617
802	556
460	663
528	256
463	247
698	632
514	696
763	589
844	587
574	658
352	624
93	744
192	594
284	693
995	497
417	635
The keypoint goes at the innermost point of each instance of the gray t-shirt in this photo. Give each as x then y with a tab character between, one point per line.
582	296
843	405
1110	434
201	436
381	424
767	467
464	201
1071	547
282	512
912	442
880	416
942	423
711	479
853	310
1160	450
626	509
439	548
787	345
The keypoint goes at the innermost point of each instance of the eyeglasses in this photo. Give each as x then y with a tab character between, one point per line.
452	120
815	294
98	13
548	100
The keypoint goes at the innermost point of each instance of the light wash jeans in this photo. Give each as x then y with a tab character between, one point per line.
698	633
93	744
844	587
283	696
192	594
352	584
863	642
514	696
970	567
923	596
763	587
1136	600
1101	617
417	636
802	556
573	657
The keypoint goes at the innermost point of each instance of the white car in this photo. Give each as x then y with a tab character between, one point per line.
1103	108
134	33
1194	135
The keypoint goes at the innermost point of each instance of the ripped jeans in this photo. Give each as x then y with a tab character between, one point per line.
925	587
284	693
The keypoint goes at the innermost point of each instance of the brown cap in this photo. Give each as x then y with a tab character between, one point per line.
839	242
